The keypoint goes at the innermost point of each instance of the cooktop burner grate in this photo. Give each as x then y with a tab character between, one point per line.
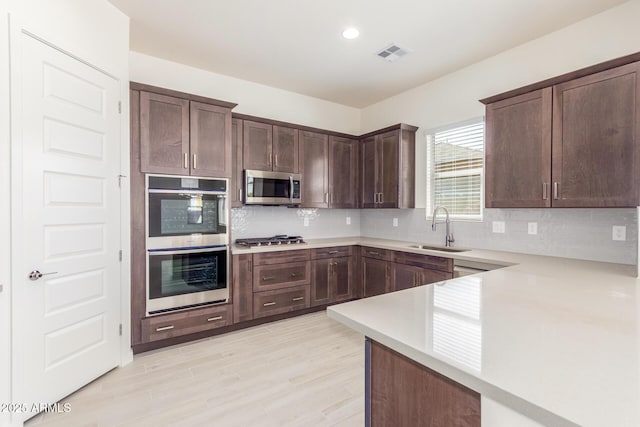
280	239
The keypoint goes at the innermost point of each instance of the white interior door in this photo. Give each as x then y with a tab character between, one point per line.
66	222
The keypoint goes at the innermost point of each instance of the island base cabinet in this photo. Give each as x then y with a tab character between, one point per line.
400	392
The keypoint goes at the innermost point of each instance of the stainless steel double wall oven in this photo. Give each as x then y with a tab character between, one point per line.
187	242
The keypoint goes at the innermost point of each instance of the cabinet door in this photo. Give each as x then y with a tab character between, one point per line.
403	276
164	134
237	182
518	152
596	123
242	287
210	140
285	149
374	276
343	173
388	177
314	166
320	281
342	284
257	149
368	184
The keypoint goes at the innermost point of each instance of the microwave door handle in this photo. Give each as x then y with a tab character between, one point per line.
290	188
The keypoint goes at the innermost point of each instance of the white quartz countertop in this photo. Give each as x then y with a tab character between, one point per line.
553	338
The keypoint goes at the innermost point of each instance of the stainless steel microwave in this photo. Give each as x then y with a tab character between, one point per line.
271	188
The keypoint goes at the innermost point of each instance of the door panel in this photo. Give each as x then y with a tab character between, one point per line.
404	276
66	147
374	276
314	167
321	278
164	134
388	177
343	279
518	152
237	182
257	149
285	149
368	177
210	140
343	173
595	131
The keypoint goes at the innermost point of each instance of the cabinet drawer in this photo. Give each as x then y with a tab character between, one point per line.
186	322
376	253
268	303
332	252
424	261
268	277
280	257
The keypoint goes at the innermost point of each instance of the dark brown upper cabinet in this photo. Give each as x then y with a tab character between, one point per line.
570	144
285	149
164	134
343	173
314	167
387	177
257	145
182	136
236	186
596	123
518	151
270	147
211	148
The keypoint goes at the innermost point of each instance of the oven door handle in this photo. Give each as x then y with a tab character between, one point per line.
180	251
188	192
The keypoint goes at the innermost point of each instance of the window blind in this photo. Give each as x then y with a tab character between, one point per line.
454	173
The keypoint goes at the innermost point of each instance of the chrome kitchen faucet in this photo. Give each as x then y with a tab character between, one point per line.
448	236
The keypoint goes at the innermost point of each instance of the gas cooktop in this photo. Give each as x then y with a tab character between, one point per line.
280	239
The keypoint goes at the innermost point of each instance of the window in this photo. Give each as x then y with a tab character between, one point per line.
454	170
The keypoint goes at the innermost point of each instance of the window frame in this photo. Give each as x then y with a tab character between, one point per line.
430	173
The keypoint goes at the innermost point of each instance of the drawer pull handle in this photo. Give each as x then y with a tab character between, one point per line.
374	253
294	274
297	299
267	278
211	319
164	328
334	252
267	304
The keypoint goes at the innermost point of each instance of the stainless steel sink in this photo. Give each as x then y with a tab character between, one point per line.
438	248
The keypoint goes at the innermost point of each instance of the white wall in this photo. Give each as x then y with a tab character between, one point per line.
5	208
98	33
454	98
252	98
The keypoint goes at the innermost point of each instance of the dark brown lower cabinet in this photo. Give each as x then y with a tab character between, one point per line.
404	276
186	322
279	301
374	276
400	392
332	280
242	287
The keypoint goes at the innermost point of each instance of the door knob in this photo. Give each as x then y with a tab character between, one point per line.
35	274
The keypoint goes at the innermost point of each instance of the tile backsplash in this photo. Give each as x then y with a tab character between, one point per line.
263	221
571	233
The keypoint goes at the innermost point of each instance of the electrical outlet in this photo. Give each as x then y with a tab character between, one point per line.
395	222
348	220
497	226
619	232
532	228
305	222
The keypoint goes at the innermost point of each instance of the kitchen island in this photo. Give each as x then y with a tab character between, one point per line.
545	341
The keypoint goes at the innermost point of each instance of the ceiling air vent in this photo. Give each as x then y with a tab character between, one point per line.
392	53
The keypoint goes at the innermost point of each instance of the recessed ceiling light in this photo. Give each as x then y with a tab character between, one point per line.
350	33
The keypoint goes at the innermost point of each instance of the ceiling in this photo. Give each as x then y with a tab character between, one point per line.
297	44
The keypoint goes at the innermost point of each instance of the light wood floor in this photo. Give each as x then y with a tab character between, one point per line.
304	371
